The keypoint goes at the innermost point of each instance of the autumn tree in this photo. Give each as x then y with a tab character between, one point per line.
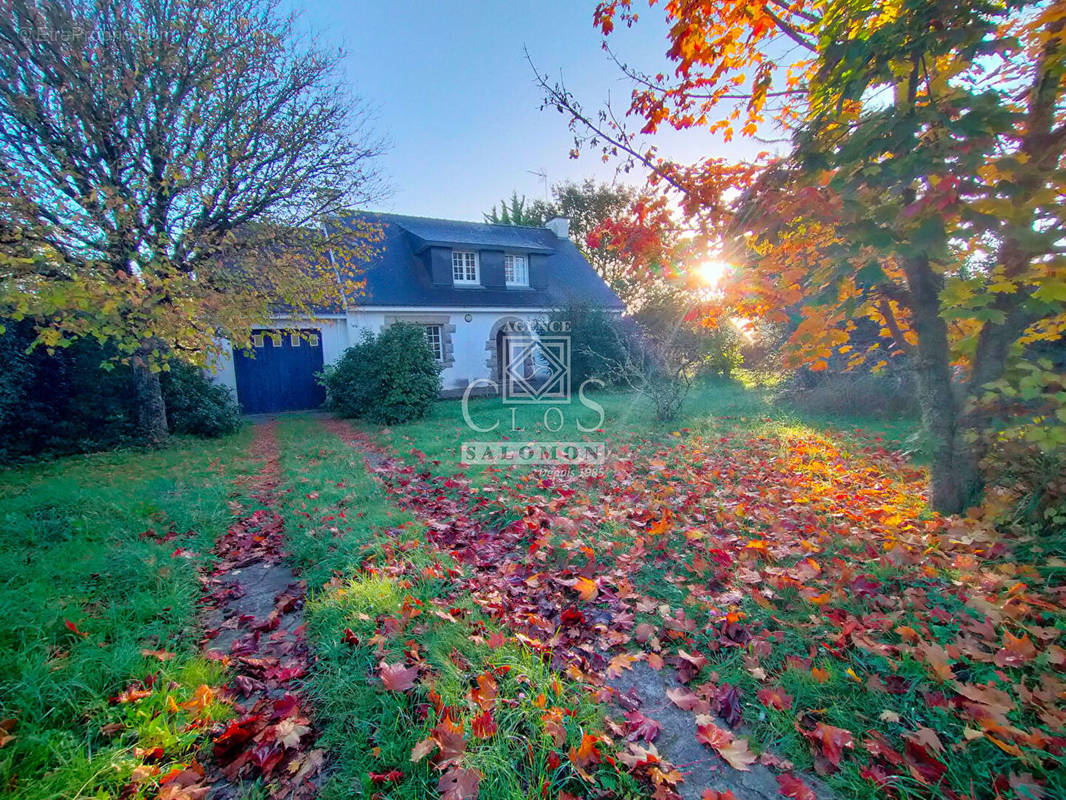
163	170
921	186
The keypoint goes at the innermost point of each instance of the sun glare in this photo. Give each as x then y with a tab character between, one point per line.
712	272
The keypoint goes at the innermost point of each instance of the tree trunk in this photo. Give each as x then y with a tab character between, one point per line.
150	410
955	480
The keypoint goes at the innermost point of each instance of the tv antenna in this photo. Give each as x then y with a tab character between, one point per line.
542	173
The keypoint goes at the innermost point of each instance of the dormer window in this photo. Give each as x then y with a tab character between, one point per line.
465	267
516	270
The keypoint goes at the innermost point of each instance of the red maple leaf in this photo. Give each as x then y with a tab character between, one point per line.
396	677
793	787
459	784
832	741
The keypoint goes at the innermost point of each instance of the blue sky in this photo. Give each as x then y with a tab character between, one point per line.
454	95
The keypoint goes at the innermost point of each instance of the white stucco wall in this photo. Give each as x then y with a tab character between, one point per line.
472	343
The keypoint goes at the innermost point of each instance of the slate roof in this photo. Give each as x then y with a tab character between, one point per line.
397	276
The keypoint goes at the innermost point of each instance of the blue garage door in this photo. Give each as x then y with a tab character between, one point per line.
278	373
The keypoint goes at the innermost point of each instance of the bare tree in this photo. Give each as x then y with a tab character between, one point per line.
163	164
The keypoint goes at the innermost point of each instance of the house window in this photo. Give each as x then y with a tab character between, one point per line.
436	341
464	266
516	270
294	339
257	340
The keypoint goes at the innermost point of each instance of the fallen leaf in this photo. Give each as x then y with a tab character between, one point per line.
586	589
459	784
396	677
733	750
793	787
423	749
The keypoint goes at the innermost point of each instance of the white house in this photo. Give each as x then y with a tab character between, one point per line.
468	283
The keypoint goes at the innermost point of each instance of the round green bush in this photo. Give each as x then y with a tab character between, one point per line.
197	406
389	378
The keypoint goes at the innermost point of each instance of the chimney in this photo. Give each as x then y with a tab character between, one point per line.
560	226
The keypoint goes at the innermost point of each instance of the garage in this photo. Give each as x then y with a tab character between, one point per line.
278	372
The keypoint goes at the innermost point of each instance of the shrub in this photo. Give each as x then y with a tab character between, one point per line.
195	405
60	402
67	401
598	339
389	378
1030	486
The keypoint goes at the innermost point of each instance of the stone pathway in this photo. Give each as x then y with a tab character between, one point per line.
253	621
645	688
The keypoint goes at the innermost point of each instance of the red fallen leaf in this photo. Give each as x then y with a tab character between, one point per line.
449	738
484	694
832	741
686	700
74	628
392	776
459	784
793	787
876	744
688	666
727	702
923	765
572	617
775	698
587	753
641	727
714	794
496	639
735	751
233	739
397	678
483	726
1015	651
350	638
877	775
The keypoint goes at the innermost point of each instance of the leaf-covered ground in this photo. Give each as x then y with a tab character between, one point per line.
467	629
797	585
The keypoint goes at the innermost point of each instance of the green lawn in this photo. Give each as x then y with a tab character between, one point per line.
712	408
381	592
793	552
98	559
